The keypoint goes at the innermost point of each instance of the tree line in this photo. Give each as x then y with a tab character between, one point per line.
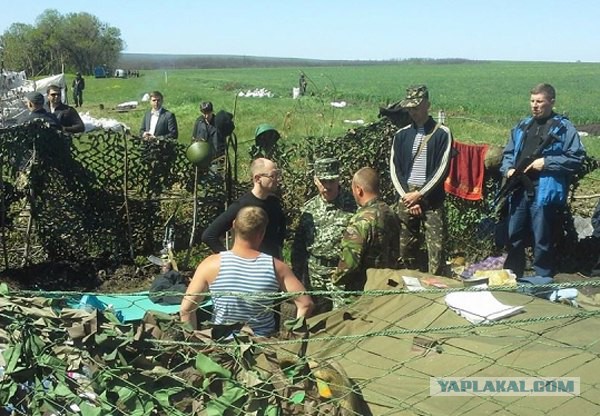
56	43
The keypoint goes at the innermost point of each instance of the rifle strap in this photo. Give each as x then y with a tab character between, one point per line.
424	142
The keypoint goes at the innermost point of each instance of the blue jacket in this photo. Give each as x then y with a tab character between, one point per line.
562	158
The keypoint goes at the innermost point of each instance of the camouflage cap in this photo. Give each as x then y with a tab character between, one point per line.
328	168
414	95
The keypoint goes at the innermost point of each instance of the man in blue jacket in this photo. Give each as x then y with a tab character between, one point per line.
534	208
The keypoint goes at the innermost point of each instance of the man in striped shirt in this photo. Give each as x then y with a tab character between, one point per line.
240	280
419	164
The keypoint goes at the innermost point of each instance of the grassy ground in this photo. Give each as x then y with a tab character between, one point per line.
482	101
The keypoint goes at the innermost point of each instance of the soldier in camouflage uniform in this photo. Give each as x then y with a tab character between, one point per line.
419	164
315	251
372	236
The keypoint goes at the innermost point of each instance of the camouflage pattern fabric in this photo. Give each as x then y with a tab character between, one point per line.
316	247
431	226
370	241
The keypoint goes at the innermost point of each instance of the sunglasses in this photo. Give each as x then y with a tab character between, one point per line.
54	94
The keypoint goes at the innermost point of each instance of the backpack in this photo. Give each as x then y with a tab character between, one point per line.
224	123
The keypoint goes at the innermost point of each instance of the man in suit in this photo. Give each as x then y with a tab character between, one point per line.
158	123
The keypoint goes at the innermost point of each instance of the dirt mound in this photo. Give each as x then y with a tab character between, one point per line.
591	129
85	276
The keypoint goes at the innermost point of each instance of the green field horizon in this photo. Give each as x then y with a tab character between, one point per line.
482	101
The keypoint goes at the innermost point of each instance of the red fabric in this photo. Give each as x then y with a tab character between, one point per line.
465	179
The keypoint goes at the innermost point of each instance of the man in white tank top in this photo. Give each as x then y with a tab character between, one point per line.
244	269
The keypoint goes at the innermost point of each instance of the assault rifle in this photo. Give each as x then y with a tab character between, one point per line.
519	179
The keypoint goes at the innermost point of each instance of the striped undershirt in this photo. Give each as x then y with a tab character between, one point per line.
238	274
418	173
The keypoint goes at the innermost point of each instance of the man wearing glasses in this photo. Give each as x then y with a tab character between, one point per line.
67	115
158	122
205	129
265	180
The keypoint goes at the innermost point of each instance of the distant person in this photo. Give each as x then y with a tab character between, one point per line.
78	87
316	247
67	115
35	105
206	130
534	208
371	238
302	84
419	165
244	269
158	122
265	180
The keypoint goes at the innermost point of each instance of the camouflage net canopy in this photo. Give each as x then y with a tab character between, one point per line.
100	194
112	195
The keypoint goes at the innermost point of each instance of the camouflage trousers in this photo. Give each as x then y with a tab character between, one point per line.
320	277
429	226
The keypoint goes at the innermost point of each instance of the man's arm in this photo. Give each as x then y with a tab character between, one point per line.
290	283
206	272
75	121
572	157
217	229
143	126
352	250
172	129
299	252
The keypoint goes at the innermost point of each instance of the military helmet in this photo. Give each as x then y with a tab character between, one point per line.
266	135
199	153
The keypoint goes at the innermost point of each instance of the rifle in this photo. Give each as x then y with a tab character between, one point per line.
519	178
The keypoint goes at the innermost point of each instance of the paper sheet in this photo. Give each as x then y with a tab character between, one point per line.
479	307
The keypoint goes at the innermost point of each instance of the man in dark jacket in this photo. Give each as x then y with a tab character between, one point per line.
78	87
67	115
419	164
35	104
158	122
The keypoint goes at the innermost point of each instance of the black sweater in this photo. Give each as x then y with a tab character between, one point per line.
274	235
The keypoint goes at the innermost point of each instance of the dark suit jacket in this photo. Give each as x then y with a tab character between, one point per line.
69	118
165	127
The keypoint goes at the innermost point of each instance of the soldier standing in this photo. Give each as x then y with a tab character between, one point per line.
371	238
316	247
419	164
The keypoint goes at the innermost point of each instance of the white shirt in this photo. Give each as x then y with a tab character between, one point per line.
153	120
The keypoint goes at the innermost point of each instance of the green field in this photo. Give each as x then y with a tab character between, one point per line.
482	100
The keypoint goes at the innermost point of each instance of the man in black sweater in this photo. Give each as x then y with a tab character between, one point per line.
265	179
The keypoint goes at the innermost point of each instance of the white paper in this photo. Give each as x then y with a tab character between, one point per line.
480	306
412	284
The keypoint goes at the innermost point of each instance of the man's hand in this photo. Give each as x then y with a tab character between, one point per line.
537	164
415	210
411	198
509	173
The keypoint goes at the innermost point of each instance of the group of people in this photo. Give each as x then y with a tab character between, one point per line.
339	237
341	234
54	112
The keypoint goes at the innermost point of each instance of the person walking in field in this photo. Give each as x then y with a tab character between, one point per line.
78	87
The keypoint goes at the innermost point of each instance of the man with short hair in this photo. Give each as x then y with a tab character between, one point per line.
534	209
419	165
67	115
158	122
265	180
244	269
372	236
206	130
316	248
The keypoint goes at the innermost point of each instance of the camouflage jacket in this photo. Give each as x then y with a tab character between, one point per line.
316	247
371	240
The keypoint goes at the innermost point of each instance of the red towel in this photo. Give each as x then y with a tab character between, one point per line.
465	179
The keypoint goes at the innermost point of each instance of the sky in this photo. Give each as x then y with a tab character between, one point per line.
507	30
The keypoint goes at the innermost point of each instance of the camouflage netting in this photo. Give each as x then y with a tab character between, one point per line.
100	194
110	194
